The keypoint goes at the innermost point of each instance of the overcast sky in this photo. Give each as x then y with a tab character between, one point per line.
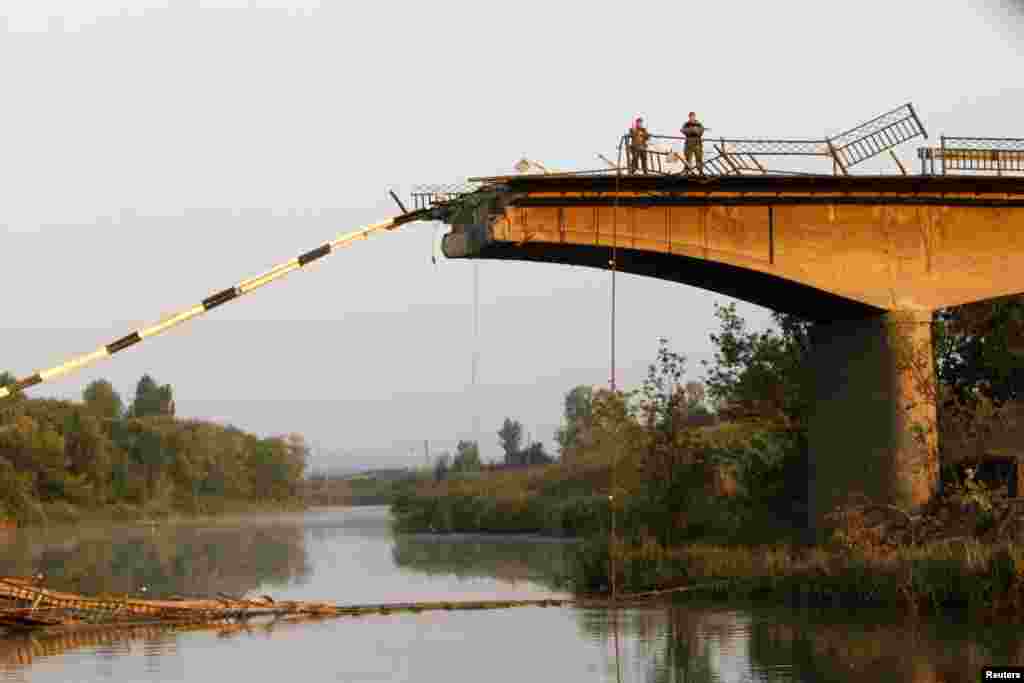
151	154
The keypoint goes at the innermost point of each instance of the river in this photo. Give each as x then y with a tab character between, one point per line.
351	556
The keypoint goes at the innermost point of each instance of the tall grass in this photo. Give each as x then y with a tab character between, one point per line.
553	499
965	574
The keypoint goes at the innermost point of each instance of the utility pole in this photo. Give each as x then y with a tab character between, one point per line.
426	452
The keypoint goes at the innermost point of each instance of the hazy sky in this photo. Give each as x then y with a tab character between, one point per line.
152	153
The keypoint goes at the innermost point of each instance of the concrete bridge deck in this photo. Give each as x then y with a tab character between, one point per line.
823	247
800	183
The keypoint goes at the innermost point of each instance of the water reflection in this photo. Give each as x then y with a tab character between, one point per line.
538	560
351	556
153	642
709	642
185	560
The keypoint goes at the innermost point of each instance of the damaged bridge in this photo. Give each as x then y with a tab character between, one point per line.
866	258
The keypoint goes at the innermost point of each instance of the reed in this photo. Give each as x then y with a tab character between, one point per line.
962	574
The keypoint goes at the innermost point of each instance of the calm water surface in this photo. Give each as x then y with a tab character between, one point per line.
351	556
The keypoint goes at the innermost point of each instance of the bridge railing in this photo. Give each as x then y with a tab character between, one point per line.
725	156
647	160
973	155
426	196
876	136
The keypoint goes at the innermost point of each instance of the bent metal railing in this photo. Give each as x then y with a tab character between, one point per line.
426	196
876	136
973	155
726	156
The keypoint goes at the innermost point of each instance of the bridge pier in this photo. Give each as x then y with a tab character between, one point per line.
872	426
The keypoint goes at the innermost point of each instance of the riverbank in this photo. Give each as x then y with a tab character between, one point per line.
962	551
62	513
968	574
954	572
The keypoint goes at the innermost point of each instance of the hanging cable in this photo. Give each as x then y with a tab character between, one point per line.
211	302
614	267
476	350
433	244
615	627
611	495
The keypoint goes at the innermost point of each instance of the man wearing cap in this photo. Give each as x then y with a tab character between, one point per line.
694	131
638	136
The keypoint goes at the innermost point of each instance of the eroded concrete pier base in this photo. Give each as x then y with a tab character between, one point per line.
872	427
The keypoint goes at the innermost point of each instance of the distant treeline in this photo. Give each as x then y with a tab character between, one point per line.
376	487
62	458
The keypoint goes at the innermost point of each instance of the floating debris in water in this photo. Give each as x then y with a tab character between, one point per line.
35	607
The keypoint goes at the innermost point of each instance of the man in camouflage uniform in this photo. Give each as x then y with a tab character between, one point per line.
638	136
694	132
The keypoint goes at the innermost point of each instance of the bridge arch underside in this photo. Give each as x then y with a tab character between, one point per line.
869	273
753	286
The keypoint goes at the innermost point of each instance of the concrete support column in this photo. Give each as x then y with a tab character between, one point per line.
872	427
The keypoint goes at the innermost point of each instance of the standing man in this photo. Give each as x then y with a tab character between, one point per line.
638	136
694	132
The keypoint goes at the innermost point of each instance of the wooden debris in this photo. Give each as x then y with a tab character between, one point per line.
37	607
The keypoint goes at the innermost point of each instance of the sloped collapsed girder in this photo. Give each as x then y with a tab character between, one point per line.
214	300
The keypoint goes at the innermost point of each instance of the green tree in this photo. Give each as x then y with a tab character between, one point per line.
980	350
8	380
662	399
577	433
16	499
271	463
89	455
764	378
536	455
695	395
296	456
43	447
510	436
102	399
152	399
442	466
467	457
149	453
979	364
54	450
617	435
761	375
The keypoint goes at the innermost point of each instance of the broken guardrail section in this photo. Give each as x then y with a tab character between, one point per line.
734	156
